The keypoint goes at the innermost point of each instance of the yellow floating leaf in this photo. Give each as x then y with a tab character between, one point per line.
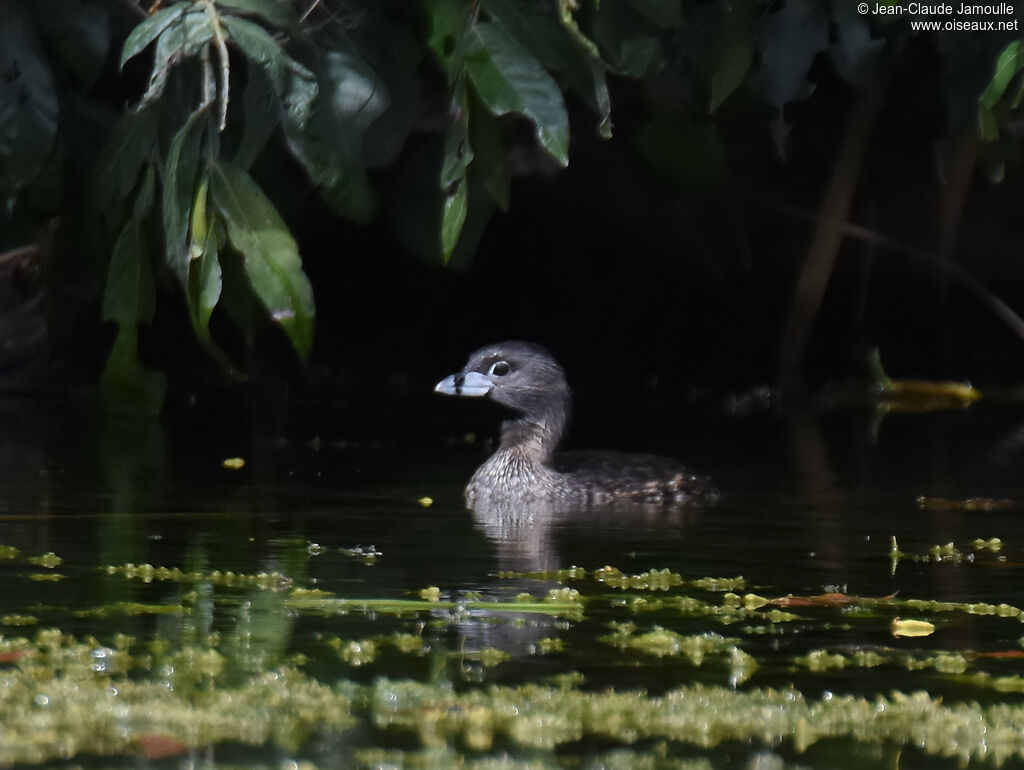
912	627
431	594
233	463
927	396
426	502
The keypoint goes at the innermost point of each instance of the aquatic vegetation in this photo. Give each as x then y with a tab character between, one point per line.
47	560
215	658
901	627
541	718
147	573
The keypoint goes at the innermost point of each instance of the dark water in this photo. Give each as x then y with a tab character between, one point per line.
811	503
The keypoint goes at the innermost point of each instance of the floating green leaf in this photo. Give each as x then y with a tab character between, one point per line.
269	254
507	78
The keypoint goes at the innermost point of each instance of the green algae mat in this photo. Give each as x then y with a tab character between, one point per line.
573	667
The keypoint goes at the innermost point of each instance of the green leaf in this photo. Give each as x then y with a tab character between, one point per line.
449	20
262	115
1009	62
490	158
630	40
453	217
269	254
129	297
125	153
329	145
28	103
507	79
205	277
293	83
988	126
150	29
207	288
180	169
731	71
277	13
177	42
557	43
147	193
458	154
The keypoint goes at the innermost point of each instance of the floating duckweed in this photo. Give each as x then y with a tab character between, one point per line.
820	660
563	595
867	659
547	646
943	662
561	575
89	710
408	643
994	544
778	616
523	598
539	717
823	660
358	653
652	580
18	620
720	584
430	594
742	666
147	573
662	642
8	552
47	560
46	577
309	593
489	656
368	554
130	608
997	683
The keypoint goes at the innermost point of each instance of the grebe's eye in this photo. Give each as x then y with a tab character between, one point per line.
499	369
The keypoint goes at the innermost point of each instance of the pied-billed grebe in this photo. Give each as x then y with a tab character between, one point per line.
527	468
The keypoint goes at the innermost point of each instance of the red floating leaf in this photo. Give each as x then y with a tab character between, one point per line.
160	746
833	599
